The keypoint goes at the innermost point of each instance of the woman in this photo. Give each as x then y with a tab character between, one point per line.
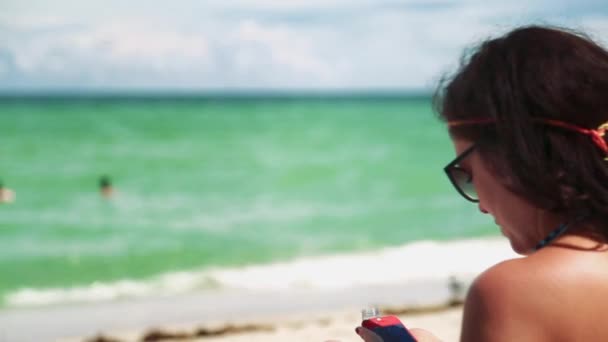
527	114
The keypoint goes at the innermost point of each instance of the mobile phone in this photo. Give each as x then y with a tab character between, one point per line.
389	328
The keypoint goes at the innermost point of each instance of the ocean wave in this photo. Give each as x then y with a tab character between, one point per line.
412	262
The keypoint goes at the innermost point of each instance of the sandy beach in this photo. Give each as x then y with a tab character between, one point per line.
302	315
331	326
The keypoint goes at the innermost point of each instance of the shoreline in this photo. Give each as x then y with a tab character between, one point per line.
229	315
410	262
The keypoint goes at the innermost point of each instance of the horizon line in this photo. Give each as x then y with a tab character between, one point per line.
219	94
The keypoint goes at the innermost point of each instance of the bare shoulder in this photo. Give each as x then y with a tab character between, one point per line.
544	297
510	281
502	301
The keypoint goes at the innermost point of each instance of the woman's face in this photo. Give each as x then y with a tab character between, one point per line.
522	223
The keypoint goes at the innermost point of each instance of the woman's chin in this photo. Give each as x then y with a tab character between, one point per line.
519	248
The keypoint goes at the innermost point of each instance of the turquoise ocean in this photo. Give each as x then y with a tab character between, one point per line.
210	189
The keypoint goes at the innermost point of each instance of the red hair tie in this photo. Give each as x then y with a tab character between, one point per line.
597	135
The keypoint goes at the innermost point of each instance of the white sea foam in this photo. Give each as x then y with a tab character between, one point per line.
413	262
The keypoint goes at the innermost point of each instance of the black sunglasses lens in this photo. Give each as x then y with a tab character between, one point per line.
464	182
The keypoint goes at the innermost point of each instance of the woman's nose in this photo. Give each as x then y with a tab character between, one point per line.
482	209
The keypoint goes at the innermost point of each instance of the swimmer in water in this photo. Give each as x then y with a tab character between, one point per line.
105	187
6	195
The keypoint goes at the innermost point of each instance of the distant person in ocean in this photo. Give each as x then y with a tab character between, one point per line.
527	113
6	195
105	187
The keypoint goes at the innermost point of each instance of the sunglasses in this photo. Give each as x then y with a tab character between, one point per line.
461	178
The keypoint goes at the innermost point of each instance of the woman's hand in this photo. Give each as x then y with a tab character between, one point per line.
368	335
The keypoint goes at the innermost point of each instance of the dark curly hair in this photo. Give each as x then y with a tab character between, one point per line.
514	81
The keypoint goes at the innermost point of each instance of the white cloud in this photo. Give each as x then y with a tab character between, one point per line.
128	43
288	48
31	22
252	44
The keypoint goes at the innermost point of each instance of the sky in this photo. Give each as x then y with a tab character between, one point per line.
241	45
